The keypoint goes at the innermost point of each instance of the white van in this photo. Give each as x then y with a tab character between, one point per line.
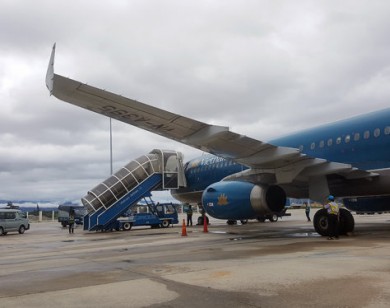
13	220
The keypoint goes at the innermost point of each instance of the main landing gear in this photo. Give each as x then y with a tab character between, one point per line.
321	225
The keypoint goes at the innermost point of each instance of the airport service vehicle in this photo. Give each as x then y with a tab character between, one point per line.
63	214
13	220
155	215
272	217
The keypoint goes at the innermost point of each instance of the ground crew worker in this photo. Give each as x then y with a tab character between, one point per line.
189	215
333	218
307	211
71	221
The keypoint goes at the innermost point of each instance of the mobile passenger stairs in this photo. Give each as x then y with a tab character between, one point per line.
158	170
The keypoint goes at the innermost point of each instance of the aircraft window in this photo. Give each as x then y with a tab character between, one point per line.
322	143
313	146
347	138
366	134
301	148
356	137
387	130
377	132
338	140
330	142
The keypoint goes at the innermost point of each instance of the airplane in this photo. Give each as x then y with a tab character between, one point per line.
241	177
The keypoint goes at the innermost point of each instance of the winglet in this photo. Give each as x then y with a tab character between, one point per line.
50	71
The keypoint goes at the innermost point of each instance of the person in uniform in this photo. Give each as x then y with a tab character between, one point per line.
71	221
189	215
333	218
307	211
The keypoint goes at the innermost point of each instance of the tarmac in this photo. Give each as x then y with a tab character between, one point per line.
281	264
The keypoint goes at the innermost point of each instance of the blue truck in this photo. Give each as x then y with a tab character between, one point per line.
155	215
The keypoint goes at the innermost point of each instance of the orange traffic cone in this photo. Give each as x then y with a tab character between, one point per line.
205	224
184	229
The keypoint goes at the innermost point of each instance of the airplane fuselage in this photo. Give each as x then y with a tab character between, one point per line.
362	141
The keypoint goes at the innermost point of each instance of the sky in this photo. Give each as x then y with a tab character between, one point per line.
263	68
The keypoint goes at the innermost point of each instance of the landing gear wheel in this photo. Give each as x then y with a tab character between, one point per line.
244	221
320	222
273	218
231	222
347	222
261	219
200	221
127	226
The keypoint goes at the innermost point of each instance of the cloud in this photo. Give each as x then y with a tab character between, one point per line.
263	68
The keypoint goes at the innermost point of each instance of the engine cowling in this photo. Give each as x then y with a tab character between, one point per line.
234	200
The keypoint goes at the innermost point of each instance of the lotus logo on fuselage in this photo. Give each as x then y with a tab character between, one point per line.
222	199
195	163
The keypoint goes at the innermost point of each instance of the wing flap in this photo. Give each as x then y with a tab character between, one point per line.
125	110
286	164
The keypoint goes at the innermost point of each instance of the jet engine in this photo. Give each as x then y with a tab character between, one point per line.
235	200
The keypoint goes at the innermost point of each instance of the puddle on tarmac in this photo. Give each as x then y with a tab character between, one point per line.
304	234
291	235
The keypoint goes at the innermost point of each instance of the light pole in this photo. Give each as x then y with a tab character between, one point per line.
110	147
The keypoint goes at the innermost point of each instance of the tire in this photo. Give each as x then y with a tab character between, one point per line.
127	226
347	222
165	223
320	222
2	231
260	219
244	221
273	218
22	229
231	222
321	225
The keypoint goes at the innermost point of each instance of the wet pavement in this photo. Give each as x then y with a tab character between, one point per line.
254	265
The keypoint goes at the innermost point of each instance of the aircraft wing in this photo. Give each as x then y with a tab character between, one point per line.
285	163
